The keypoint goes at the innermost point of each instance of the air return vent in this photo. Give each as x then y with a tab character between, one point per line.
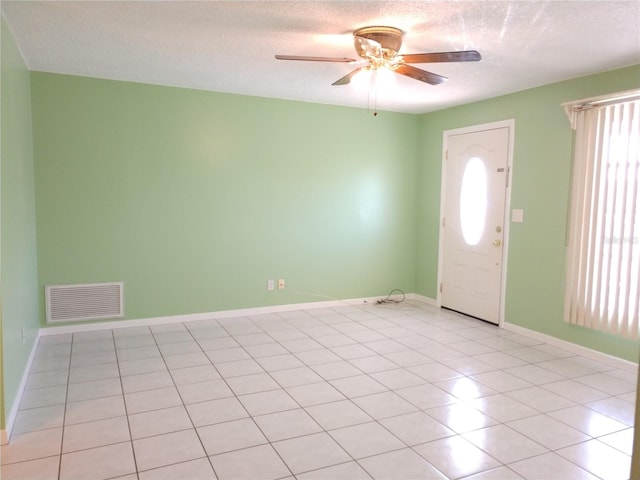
89	301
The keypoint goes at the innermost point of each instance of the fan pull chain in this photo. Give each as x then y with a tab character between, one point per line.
373	90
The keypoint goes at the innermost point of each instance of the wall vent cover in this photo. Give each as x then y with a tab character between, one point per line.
88	301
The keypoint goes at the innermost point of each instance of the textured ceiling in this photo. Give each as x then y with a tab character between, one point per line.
229	46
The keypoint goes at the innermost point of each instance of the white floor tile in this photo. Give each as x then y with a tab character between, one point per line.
456	457
167	449
229	436
194	469
465	388
258	382
311	452
575	391
548	431
158	422
102	462
415	428
47	379
588	421
138	353
622	440
504	444
366	439
238	368
38	419
268	402
203	391
95	434
550	466
94	409
373	364
615	408
265	350
398	378
254	463
32	445
541	399
41	469
335	370
179	348
501	381
405	464
186	360
202	373
315	394
461	417
317	357
216	411
599	459
43	397
384	405
152	400
500	473
344	471
426	396
289	424
534	374
358	386
279	362
94	389
146	381
502	407
293	377
342	413
433	372
93	372
228	355
147	365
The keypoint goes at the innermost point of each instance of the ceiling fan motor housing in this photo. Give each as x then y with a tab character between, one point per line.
389	38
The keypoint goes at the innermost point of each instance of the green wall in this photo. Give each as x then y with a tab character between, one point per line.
195	199
541	185
18	270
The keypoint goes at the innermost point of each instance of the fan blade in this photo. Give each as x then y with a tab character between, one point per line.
368	46
465	56
315	59
347	78
421	75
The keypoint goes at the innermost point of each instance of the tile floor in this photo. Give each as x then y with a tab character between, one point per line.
356	392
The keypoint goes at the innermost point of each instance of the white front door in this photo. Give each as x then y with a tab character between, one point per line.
476	175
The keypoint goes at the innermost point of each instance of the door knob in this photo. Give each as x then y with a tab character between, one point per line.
496	243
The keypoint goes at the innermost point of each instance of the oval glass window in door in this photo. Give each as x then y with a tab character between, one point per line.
473	201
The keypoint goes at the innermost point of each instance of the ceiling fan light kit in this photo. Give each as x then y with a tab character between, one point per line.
379	47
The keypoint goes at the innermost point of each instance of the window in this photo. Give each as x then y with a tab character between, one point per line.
603	257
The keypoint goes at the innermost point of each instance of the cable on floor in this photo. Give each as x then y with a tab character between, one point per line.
388	299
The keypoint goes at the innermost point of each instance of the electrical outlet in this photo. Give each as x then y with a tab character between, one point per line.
281	284
271	285
24	338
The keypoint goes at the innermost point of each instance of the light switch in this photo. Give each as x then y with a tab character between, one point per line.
517	215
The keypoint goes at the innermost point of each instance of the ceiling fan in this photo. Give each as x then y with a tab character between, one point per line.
379	46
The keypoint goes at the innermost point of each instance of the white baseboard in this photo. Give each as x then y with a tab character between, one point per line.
193	317
574	348
11	418
421	298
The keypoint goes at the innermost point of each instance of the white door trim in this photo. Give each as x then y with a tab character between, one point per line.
510	124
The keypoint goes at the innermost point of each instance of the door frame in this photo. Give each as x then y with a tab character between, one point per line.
510	124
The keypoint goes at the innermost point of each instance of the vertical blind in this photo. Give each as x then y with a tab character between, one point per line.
603	257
